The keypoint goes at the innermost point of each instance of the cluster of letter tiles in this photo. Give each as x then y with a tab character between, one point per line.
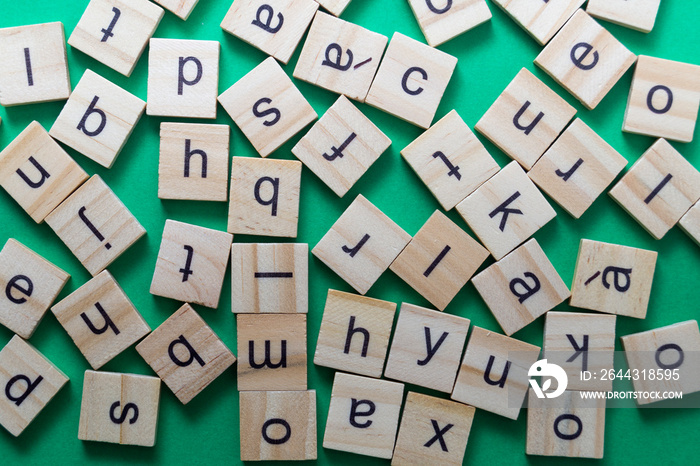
503	206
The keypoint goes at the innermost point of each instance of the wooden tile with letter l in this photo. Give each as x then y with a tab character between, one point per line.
341	146
639	15
441	21
191	263
29	381
334	7
690	223
525	119
363	415
119	408
185	353
542	20
439	260
506	210
585	59
411	80
180	8
361	244
267	107
659	188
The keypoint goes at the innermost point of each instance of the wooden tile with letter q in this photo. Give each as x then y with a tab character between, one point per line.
439	260
267	107
334	7
191	263
361	244
585	59
180	8
506	210
101	319
690	223
119	408
542	20
185	353
411	80
441	21
639	15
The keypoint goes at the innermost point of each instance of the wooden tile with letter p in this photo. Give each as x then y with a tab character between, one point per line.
690	223
639	15
441	22
542	20
180	8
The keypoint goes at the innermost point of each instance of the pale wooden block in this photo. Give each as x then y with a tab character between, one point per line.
185	353
98	119
542	20
361	244
341	146
115	32
95	225
442	21
585	59
180	8
506	210
334	7
37	173
267	107
271	352
426	348
194	161
659	188
411	80
525	119
35	66
493	374
439	260
30	284
191	263
577	168
690	222
639	15
29	382
450	160
119	408
363	415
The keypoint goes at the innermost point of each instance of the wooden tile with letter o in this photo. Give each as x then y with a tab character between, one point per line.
334	7
639	15
180	8
441	21
690	223
542	20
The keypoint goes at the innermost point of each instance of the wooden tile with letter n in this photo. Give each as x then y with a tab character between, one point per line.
334	7
639	15
180	8
690	223
441	21
542	20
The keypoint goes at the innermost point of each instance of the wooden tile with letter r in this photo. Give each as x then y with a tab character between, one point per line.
690	223
180	8
441	21
542	20
639	15
334	7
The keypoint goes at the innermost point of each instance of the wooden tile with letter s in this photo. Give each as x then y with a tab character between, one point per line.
542	20
639	15
180	8
442	20
690	223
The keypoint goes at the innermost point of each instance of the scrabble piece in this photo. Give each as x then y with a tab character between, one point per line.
585	59
577	168
525	119
612	278
271	352
542	20
278	426
185	353
264	197
639	15
411	80
270	278
193	162
493	374
115	32
95	225
426	348
690	222
363	415
29	382
191	263
446	20
180	8
450	160
100	319
35	67
341	146
439	260
334	7
267	107
506	210
30	284
119	408
521	287
659	188
98	119
361	244
37	173
183	78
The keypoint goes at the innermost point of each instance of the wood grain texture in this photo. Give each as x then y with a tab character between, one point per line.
180	8
542	20
442	23
690	223
640	15
334	7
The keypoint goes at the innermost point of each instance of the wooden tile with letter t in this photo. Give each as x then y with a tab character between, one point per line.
639	15
690	223
180	8
441	21
542	20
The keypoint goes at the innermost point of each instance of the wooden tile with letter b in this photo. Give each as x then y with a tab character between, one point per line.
639	15
441	21
542	20
180	8
690	223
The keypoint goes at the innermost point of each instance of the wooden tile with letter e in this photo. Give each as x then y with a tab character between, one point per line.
334	7
690	223
639	15
542	20
441	22
180	8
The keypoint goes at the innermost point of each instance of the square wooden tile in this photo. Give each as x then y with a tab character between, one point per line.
640	15
442	21
334	7
690	223
542	20
180	8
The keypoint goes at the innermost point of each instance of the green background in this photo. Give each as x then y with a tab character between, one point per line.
206	430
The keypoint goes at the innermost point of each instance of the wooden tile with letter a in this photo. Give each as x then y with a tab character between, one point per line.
690	223
441	21
542	20
639	15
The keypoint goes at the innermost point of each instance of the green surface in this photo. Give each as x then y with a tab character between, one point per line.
206	430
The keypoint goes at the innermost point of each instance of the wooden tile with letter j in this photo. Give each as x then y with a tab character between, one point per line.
441	21
639	15
542	20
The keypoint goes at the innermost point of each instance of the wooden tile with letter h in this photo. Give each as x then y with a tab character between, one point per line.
442	21
542	20
180	8
640	15
690	223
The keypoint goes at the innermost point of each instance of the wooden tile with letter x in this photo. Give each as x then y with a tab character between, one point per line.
411	80
29	382
506	210
585	59
361	244
180	8
119	408
98	119
639	15
100	319
659	188
442	21
334	7
690	223
363	415
267	107
542	20
191	263
185	353
439	260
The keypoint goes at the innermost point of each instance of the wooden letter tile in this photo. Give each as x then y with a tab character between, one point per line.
690	223
334	7
542	20
180	8
639	15
441	23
